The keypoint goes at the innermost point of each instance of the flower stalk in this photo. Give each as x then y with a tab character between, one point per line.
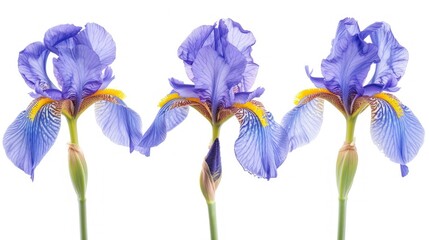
79	175
210	179
346	168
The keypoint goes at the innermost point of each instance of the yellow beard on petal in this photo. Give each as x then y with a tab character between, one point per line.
307	92
258	111
114	92
392	101
37	105
168	98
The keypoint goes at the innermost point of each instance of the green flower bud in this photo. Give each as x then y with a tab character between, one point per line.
347	162
78	170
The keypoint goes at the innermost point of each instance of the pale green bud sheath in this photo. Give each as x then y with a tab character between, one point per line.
347	162
78	170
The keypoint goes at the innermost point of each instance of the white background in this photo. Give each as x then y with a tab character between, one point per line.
131	196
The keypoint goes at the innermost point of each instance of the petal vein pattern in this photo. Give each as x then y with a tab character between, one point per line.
27	140
260	150
119	123
400	138
303	123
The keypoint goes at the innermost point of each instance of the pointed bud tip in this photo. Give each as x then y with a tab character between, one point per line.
213	160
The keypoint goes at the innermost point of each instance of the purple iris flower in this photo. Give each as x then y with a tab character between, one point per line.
218	61
81	59
345	83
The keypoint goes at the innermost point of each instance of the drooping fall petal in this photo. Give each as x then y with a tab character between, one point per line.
303	123
29	137
167	118
396	132
260	148
119	123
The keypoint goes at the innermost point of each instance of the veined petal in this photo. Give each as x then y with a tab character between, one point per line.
173	111
346	71
107	77
249	77
399	136
317	81
199	38
98	39
303	122
80	71
59	34
243	97
242	39
27	140
215	75
111	95
260	148
346	28
32	66
118	122
184	90
393	57
231	33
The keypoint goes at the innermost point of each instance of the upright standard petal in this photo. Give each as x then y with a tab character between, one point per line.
199	38
32	65
303	123
393	56
98	39
29	137
260	147
232	33
58	34
395	130
346	28
216	75
242	39
171	114
80	71
346	71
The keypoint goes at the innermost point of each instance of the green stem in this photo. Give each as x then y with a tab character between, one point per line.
212	217
212	204
73	130
350	128
342	219
351	123
72	122
82	217
215	132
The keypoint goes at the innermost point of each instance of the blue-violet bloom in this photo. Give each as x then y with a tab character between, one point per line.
218	61
81	59
394	128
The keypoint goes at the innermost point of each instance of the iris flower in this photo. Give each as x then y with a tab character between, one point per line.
81	65
345	83
218	61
